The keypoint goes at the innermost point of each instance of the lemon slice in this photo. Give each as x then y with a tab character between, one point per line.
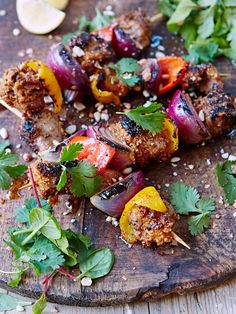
58	4
37	16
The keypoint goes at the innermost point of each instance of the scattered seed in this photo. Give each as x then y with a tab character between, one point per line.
124	278
29	51
109	219
55	142
175	159
100	107
3	12
21	54
108	13
55	310
225	155
222	151
104	116
206	186
86	282
191	167
71	129
68	205
160	47
232	158
79	106
175	174
3	133
208	162
146	94
167	185
47	99
16	32
127	170
73	220
201	115
18	146
97	116
77	52
165	76
127	105
234	214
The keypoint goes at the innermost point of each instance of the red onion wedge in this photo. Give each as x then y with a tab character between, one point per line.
113	199
123	44
191	128
68	72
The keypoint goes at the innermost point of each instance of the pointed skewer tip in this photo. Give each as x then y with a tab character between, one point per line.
179	240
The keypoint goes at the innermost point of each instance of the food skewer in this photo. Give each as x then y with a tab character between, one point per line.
179	240
12	109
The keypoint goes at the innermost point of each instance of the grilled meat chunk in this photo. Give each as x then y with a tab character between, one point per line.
218	110
90	51
152	227
135	24
201	78
22	89
144	145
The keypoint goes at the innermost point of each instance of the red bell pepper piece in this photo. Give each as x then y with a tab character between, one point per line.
173	70
105	33
94	151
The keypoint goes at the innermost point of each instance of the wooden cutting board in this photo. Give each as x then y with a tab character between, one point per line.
139	273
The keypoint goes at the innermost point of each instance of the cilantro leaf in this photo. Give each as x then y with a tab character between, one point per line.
202	50
84	179
63	179
126	70
149	118
22	213
226	176
70	152
186	199
8	168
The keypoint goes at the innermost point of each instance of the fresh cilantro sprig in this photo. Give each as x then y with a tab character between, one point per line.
208	27
186	200
9	169
149	118
98	22
226	175
127	70
83	175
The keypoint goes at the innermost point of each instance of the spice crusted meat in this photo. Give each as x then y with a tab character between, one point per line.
22	89
217	110
152	227
90	51
201	78
135	24
144	145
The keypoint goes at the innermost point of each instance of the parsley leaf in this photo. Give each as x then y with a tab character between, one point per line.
186	199
85	180
8	168
226	176
70	152
126	70
149	118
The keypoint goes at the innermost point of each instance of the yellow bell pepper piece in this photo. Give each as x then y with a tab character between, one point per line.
50	81
104	97
148	197
172	130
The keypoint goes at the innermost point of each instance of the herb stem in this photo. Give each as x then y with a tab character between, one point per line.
22	231
64	272
33	233
34	188
12	272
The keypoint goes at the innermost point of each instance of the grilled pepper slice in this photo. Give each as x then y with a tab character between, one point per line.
50	81
94	151
105	97
173	70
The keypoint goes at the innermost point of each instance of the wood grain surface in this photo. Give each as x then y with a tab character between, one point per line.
139	274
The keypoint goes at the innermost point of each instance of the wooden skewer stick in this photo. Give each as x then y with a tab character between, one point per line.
28	185
225	74
156	18
12	109
179	240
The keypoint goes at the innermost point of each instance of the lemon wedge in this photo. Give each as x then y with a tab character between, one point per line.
38	17
58	4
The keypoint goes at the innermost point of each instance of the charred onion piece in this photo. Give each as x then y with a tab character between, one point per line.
113	199
122	44
68	71
191	128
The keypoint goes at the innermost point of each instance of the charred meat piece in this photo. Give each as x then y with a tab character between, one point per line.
136	26
41	131
217	110
201	78
46	176
144	145
90	51
152	227
22	89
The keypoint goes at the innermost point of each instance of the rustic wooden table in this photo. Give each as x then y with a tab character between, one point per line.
221	300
